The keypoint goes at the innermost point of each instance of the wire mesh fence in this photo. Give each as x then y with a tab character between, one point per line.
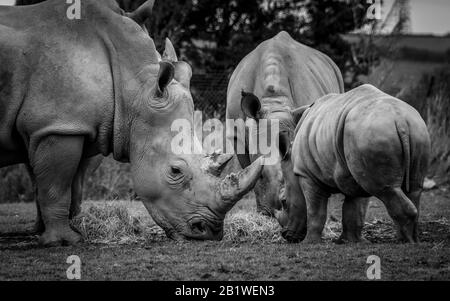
209	91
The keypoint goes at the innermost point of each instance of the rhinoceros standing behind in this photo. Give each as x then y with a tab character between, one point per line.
74	88
362	143
281	74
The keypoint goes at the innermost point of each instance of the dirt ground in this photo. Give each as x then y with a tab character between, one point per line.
161	259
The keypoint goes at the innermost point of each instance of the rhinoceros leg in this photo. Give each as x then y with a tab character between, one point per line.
86	166
55	162
39	226
353	218
77	190
316	202
414	196
402	211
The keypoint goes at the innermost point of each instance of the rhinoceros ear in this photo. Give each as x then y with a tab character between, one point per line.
183	73
165	76
250	104
297	113
143	12
169	52
284	144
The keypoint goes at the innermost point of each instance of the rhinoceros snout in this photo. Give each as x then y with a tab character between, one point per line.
202	230
292	237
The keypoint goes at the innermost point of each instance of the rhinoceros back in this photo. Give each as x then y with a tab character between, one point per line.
282	66
284	74
56	74
363	122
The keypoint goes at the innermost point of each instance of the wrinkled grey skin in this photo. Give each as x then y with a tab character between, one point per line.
88	167
73	89
362	143
282	75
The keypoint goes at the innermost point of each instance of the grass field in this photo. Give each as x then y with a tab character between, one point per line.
123	243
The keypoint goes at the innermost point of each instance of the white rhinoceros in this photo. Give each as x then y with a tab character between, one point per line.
361	143
74	88
281	74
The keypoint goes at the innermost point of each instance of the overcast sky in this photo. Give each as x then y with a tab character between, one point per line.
427	16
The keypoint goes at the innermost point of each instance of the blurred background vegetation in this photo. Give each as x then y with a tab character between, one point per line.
214	35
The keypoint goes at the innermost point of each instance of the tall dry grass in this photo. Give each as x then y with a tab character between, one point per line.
437	117
431	97
111	180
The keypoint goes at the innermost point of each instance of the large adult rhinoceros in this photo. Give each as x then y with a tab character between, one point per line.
280	75
361	143
74	88
88	166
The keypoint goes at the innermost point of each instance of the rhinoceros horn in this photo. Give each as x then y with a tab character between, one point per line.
143	12
234	186
218	162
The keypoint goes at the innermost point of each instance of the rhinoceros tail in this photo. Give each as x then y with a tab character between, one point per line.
403	133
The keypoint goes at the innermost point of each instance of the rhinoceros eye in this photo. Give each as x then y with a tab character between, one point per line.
178	174
175	170
175	174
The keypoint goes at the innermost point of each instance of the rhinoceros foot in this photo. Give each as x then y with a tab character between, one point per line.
312	240
343	239
59	236
290	237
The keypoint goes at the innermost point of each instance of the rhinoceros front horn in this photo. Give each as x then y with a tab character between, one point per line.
143	12
234	186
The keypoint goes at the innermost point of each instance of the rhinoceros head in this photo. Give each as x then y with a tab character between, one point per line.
289	207
293	214
271	184
184	193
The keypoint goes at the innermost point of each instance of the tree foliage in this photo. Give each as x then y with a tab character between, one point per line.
214	35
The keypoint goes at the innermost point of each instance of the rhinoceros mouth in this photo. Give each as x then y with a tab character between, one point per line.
204	229
292	237
196	228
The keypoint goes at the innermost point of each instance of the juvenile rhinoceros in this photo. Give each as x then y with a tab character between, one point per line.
73	88
281	74
362	143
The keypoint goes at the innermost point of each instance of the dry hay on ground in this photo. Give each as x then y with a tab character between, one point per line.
125	222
